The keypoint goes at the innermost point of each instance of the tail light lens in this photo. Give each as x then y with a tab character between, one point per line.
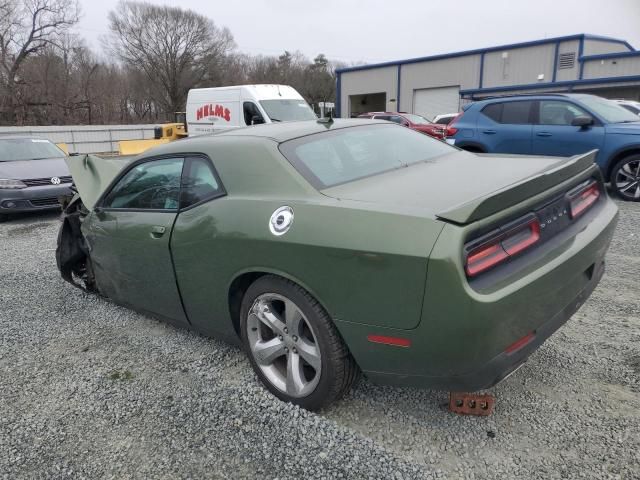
500	245
583	198
451	130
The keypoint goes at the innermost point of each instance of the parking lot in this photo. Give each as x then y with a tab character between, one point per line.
93	390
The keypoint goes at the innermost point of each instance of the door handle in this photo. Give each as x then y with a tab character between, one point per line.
489	132
157	231
544	134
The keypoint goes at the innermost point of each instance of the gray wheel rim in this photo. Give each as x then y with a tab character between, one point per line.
284	345
628	179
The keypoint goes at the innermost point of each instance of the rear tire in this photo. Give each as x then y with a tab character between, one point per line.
625	178
293	346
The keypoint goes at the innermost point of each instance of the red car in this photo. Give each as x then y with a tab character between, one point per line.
414	122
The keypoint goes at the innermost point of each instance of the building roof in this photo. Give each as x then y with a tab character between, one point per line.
533	43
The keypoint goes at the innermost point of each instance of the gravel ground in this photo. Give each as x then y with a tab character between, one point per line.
92	390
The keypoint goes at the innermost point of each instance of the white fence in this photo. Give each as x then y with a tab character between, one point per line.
85	138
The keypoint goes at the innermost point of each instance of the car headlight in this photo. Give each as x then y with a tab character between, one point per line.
8	183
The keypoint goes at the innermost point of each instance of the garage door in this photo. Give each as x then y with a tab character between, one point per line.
430	102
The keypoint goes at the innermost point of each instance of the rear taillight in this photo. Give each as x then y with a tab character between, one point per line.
583	197
500	245
451	130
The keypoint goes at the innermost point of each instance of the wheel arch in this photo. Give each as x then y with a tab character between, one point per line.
473	147
245	278
617	156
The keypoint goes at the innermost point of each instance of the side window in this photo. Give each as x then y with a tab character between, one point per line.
199	182
397	119
250	110
554	112
447	120
153	185
493	111
516	113
382	117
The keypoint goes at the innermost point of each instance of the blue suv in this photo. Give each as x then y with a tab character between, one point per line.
559	125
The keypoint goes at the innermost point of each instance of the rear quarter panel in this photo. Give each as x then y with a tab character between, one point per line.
362	264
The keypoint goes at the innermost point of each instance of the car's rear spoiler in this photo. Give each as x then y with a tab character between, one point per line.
493	202
92	175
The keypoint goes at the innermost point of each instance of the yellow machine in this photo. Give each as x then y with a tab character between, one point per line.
165	133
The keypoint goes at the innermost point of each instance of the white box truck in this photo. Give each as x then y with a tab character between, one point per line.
216	109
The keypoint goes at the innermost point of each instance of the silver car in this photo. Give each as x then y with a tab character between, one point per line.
33	175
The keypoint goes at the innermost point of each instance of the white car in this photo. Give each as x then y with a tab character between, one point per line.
631	105
445	118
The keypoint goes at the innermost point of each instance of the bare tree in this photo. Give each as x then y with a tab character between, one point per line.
27	27
171	45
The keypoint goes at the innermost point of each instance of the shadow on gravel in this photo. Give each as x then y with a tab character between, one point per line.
32	217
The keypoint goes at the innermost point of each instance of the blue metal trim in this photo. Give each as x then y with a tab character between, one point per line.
398	89
478	51
555	62
566	83
481	70
604	56
338	94
608	39
580	55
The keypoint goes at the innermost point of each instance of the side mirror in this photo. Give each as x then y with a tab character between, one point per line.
256	120
582	121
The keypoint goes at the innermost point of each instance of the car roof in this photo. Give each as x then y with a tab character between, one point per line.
532	96
283	131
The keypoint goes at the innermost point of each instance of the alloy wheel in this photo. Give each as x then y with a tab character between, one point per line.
284	345
627	179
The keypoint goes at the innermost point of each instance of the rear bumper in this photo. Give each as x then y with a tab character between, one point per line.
33	198
502	365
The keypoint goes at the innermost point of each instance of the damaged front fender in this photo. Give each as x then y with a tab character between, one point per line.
72	254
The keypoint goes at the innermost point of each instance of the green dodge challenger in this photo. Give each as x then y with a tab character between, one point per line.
331	248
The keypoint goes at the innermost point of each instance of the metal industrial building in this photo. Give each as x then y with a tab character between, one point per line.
439	84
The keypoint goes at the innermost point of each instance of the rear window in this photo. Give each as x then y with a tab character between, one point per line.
341	156
12	149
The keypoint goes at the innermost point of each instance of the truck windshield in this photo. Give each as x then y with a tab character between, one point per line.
339	156
12	149
610	111
288	110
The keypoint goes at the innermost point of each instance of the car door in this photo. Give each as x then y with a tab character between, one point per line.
198	247
553	133
129	233
506	127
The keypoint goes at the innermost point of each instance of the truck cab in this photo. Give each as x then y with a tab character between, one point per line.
218	109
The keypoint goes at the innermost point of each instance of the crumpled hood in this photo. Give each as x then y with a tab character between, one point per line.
92	175
28	169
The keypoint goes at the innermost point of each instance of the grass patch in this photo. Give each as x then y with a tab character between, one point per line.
120	375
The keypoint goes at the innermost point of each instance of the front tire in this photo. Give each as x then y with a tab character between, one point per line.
292	344
625	178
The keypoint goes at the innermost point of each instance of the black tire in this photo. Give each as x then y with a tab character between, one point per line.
3	217
338	370
625	178
472	149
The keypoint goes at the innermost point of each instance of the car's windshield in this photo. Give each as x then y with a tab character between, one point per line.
417	119
340	156
288	110
12	149
610	111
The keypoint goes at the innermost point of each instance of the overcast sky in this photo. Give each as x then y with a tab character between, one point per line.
379	30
